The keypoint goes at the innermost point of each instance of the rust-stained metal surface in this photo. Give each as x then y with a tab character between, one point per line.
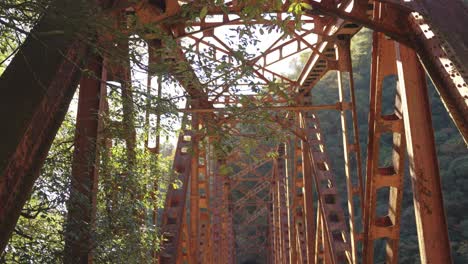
33	105
84	179
431	223
389	179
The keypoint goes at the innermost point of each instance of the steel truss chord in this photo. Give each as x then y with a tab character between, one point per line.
173	224
442	54
336	242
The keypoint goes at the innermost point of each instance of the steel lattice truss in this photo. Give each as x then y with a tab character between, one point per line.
286	208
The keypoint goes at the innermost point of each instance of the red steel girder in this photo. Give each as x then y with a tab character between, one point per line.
33	105
447	70
282	197
84	179
173	216
336	241
434	245
299	231
379	178
204	190
351	145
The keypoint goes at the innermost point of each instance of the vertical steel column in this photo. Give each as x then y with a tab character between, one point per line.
284	202
354	190
81	205
391	177
308	188
434	245
204	237
298	205
194	191
270	259
291	189
227	226
275	219
174	219
336	240
217	208
184	244
319	247
226	237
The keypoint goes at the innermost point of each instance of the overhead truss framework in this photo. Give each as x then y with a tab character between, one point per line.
288	203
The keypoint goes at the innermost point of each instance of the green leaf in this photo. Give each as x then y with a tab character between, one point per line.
203	12
292	7
306	6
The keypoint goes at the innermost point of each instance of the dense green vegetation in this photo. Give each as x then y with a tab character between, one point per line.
124	229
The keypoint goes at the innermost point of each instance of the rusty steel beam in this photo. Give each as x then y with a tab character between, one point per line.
337	106
299	230
79	244
319	245
446	69
33	105
283	200
351	145
217	198
380	178
308	170
276	233
336	238
194	193
204	236
227	226
434	244
238	204
448	19
173	218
